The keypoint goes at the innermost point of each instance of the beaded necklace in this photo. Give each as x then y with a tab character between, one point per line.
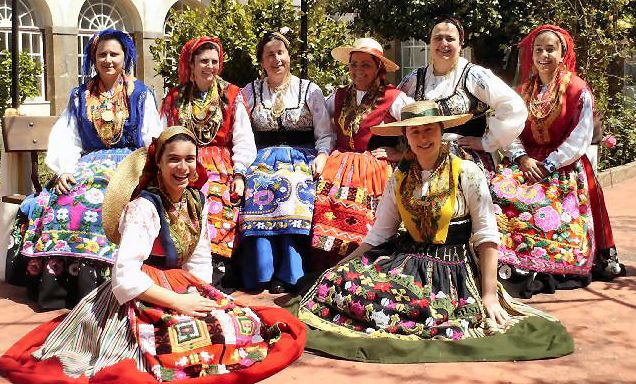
203	117
352	114
108	110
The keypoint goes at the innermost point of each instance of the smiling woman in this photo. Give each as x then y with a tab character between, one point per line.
106	118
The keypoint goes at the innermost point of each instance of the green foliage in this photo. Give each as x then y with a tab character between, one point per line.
29	72
620	122
239	27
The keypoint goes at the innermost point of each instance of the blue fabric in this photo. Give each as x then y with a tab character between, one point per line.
268	257
127	44
131	137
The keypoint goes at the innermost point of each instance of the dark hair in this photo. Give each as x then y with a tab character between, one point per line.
177	137
564	47
124	39
268	37
203	47
450	20
381	68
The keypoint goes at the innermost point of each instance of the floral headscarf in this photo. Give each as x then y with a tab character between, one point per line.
526	47
127	44
189	48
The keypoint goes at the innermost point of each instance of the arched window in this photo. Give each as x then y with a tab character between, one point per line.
96	15
30	36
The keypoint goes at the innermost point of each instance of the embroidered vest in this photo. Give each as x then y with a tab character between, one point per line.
364	139
460	102
131	135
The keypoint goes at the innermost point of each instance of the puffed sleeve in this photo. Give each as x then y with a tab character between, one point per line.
479	203
408	84
324	135
248	95
387	216
331	104
139	227
200	263
510	112
152	124
65	146
580	138
243	145
398	104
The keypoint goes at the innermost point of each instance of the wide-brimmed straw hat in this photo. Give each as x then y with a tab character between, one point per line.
120	188
420	113
366	45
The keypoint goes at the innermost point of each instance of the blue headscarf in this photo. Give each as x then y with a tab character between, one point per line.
130	54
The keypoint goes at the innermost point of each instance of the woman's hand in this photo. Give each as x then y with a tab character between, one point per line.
387	153
64	183
237	188
533	170
358	252
318	165
471	142
494	310
192	304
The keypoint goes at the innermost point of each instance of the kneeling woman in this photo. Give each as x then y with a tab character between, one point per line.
159	318
402	299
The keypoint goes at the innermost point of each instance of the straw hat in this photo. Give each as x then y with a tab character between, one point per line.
420	113
366	45
120	188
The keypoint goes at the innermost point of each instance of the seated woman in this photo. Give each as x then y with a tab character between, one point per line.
549	205
462	87
357	171
66	254
158	319
425	295
214	111
291	125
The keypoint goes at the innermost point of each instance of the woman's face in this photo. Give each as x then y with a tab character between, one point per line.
275	59
445	43
177	165
109	58
425	141
363	70
547	53
204	68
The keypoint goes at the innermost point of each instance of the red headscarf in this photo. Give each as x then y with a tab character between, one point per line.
189	48
526	47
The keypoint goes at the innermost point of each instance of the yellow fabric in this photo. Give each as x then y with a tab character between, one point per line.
427	218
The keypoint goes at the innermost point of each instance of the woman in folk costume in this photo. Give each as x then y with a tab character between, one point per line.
291	124
424	295
550	207
214	111
158	319
356	172
459	87
65	253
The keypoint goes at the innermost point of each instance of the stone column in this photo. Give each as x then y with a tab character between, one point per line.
62	71
145	69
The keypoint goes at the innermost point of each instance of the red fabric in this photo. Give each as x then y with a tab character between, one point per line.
174	99
20	367
561	128
603	236
186	55
525	50
380	114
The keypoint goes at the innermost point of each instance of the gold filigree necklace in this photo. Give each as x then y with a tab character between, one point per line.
278	92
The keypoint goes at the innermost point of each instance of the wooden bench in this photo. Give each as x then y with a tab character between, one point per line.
26	134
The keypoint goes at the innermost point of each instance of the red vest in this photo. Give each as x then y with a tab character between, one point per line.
380	114
173	100
561	128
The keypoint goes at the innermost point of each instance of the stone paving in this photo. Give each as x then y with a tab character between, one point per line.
599	317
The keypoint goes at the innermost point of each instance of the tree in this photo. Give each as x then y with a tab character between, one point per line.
239	27
29	72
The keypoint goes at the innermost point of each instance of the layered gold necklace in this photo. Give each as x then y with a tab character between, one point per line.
352	114
278	92
203	117
108	111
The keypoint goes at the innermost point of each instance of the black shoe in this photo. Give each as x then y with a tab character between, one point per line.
277	286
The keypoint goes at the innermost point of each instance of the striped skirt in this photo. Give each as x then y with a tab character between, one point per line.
143	343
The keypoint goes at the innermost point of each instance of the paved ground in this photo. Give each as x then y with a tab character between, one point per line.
599	317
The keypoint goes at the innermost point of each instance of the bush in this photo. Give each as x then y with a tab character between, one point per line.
29	72
239	27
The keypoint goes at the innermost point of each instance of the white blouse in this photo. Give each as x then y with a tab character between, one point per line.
396	107
243	146
65	145
139	226
323	134
473	199
576	144
510	112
